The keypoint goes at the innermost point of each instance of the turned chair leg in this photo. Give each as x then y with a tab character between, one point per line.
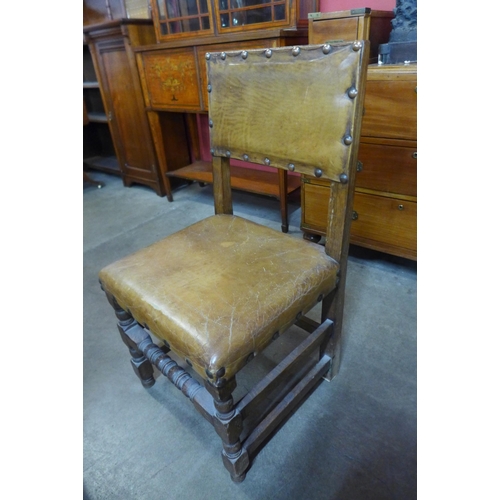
228	424
142	367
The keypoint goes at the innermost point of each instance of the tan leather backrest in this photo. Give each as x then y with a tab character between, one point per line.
293	107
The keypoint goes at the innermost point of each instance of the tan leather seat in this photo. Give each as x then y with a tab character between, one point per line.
218	291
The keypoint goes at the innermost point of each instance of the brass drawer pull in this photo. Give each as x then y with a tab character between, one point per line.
414	155
354	215
401	207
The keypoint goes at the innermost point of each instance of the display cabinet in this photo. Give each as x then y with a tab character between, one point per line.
173	77
199	18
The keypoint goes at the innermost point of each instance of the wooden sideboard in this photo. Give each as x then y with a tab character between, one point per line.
385	201
167	67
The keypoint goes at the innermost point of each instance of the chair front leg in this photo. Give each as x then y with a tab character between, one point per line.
228	423
142	367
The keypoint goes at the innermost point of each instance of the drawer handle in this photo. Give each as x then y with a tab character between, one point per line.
354	215
401	207
414	155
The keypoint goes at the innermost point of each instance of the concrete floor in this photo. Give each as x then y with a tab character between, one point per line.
354	438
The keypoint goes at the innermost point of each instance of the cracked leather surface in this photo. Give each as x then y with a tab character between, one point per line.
218	290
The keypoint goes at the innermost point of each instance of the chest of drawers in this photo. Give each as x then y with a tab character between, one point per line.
385	201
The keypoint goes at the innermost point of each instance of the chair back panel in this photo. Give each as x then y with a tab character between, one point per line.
292	108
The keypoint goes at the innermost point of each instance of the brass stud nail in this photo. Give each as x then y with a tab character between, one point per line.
244	54
356	45
228	153
223	56
267	161
327	48
348	140
318	172
353	92
209	88
296	51
291	167
320	297
276	335
250	357
268	53
343	178
209	373
189	362
220	372
207	56
246	157
210	123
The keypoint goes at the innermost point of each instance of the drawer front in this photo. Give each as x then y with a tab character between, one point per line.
388	168
171	79
314	205
384	223
330	30
390	109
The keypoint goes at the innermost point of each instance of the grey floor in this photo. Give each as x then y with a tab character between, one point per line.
354	438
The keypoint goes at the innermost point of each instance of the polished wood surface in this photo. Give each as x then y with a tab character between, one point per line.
388	166
391	103
171	79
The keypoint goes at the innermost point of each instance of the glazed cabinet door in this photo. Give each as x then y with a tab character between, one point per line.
126	115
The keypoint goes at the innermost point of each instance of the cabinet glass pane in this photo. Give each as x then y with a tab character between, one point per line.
234	13
161	9
183	16
279	12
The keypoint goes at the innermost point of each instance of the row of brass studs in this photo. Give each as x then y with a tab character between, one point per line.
317	171
327	48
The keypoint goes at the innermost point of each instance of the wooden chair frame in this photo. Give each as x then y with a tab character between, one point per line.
213	399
